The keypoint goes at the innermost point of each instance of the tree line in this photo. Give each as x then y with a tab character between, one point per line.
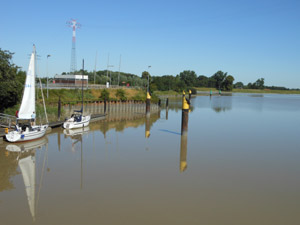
189	78
12	80
184	80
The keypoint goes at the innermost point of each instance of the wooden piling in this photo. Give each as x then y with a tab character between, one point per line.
190	95
183	153
167	112
58	140
148	103
58	109
147	126
185	114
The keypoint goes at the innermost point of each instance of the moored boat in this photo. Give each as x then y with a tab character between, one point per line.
27	129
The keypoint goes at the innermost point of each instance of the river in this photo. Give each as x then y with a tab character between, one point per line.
239	164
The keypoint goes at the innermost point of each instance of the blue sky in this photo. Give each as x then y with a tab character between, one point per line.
247	39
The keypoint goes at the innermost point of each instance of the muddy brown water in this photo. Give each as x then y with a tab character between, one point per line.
238	164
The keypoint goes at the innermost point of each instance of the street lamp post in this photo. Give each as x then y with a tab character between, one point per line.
47	75
107	66
119	70
110	73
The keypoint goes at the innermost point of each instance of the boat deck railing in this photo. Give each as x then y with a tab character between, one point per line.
7	120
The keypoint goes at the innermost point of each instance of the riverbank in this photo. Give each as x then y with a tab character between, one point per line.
258	91
73	97
214	90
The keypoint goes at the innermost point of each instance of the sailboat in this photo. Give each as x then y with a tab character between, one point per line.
27	162
28	131
77	119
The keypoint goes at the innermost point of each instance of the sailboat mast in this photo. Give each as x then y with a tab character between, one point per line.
95	68
82	86
43	101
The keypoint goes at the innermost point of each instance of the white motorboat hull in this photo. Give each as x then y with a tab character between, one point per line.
76	131
27	146
71	124
27	135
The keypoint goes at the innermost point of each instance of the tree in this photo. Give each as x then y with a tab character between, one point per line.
260	83
10	86
164	83
239	85
189	77
145	75
202	81
219	78
104	95
228	83
211	82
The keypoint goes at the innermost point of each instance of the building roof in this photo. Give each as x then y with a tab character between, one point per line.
71	77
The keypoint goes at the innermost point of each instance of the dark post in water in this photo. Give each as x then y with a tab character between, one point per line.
183	152
147	127
148	103
190	94
185	114
167	108
58	109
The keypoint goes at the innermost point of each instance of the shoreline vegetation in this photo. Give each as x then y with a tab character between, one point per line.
73	97
12	81
214	90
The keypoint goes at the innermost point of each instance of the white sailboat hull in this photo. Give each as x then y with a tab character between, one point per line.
71	123
27	135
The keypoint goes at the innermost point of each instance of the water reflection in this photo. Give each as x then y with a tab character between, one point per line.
24	155
183	152
221	103
8	169
175	104
76	136
120	124
76	133
147	127
239	170
167	113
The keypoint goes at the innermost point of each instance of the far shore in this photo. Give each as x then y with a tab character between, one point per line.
206	91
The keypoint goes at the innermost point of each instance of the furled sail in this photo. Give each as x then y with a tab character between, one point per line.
28	101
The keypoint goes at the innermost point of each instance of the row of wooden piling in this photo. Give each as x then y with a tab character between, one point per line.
185	109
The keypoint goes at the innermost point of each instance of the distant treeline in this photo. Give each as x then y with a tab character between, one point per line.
185	80
114	78
12	81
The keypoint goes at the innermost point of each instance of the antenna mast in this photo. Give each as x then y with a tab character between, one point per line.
74	24
119	70
95	67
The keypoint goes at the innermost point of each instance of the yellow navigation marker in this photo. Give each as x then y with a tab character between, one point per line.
148	95
185	104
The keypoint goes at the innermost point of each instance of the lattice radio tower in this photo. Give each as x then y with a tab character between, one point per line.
73	23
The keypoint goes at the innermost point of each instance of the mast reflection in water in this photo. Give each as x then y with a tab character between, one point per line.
26	157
